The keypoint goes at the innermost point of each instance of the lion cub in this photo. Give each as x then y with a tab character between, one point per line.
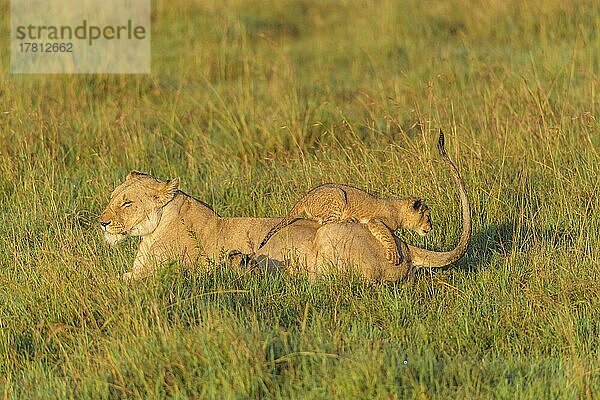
340	203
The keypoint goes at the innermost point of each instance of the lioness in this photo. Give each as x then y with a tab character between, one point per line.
174	225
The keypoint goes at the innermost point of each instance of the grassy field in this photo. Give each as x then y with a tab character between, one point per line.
252	103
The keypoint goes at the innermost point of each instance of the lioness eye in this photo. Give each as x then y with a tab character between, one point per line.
126	203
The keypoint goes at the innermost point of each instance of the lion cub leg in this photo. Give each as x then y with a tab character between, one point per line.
382	233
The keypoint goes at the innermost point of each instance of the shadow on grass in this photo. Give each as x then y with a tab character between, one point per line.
486	244
500	241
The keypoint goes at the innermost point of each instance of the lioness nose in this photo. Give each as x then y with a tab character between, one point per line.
105	223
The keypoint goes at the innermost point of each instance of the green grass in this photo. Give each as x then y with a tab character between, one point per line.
253	102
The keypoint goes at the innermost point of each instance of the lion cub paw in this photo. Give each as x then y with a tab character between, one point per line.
393	256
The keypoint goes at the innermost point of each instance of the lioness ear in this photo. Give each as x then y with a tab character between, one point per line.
172	186
167	191
135	174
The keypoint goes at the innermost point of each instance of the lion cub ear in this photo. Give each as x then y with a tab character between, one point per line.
417	202
135	174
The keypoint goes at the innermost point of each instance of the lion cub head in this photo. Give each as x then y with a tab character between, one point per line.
135	206
416	215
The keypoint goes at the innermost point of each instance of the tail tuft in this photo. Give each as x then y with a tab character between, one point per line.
440	145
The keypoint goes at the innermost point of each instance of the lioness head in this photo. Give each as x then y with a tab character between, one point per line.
135	206
416	215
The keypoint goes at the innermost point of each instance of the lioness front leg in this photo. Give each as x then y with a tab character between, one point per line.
382	233
139	271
